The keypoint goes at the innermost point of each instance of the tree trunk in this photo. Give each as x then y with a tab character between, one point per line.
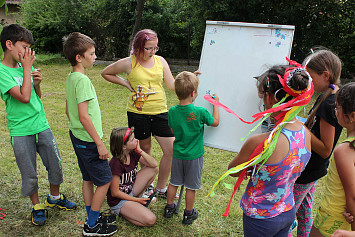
138	22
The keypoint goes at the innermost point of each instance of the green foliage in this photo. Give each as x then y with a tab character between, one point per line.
180	24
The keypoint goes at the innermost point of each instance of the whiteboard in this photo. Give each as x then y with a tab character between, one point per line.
232	54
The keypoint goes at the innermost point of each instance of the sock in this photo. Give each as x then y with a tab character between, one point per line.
188	212
170	205
92	218
54	197
163	190
87	210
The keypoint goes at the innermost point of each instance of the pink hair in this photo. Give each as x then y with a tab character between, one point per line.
139	40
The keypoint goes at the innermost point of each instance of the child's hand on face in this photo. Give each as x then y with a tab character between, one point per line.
215	97
28	58
37	76
138	148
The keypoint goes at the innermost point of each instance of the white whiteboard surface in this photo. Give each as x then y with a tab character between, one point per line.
232	54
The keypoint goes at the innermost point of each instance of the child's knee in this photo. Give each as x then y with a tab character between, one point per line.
150	220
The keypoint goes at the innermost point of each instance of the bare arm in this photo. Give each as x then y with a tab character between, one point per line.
246	150
66	109
23	94
345	160
146	159
324	145
115	191
121	66
215	112
168	76
89	127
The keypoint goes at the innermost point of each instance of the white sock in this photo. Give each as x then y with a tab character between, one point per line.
162	190
54	197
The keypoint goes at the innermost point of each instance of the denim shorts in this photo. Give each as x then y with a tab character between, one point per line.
117	209
147	125
91	166
187	172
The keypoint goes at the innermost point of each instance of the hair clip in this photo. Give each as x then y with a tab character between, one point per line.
268	82
146	37
332	86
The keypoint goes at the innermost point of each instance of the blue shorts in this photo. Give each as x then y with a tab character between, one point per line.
146	125
277	226
187	172
91	166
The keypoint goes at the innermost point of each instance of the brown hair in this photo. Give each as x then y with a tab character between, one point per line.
14	33
320	61
76	43
117	143
345	98
185	83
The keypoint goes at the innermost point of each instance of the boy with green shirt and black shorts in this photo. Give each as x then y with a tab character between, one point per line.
187	123
85	130
27	123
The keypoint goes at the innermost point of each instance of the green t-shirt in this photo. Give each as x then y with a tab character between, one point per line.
22	119
79	88
187	122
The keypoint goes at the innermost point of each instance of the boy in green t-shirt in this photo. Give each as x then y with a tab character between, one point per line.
85	129
27	123
187	123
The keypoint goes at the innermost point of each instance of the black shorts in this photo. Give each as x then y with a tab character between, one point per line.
147	125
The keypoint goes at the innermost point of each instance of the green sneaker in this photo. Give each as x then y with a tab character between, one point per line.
62	203
39	214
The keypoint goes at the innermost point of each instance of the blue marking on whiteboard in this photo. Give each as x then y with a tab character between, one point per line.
278	44
212	42
279	34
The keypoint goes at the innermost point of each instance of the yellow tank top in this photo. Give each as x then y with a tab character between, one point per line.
149	97
333	201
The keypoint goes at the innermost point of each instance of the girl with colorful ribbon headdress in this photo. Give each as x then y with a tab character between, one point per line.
277	157
325	69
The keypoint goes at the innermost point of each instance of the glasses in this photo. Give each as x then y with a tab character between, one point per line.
152	49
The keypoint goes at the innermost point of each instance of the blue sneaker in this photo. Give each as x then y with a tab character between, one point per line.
39	214
62	203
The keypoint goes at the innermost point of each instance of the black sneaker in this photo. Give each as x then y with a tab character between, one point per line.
105	218
99	230
169	211
188	219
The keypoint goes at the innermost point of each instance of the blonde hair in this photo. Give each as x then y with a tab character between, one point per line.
320	61
185	83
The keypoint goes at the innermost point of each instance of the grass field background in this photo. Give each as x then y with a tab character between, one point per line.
112	99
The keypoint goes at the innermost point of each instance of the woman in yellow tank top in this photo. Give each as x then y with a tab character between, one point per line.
146	108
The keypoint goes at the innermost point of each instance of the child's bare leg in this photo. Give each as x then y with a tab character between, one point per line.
54	189
144	177
34	198
88	192
190	199
171	193
166	144
137	214
99	197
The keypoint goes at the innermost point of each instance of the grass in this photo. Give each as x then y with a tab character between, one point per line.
112	99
